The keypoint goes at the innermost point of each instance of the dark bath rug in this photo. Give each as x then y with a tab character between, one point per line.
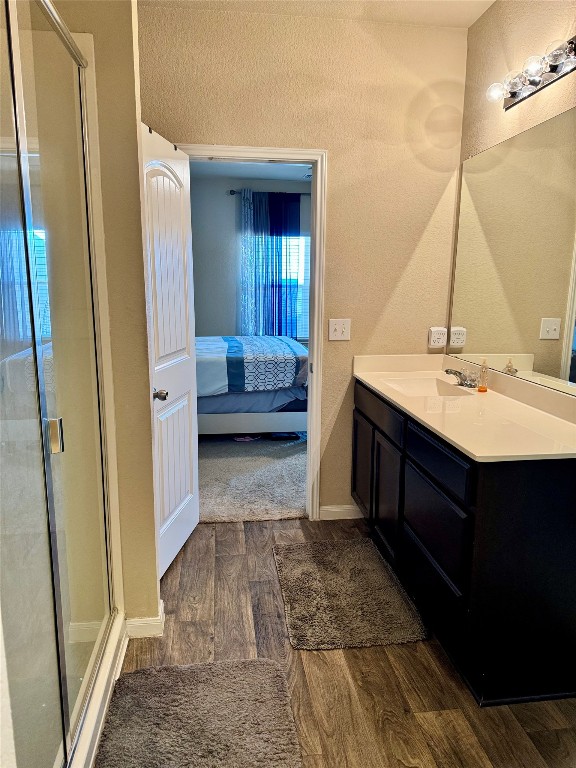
229	714
343	594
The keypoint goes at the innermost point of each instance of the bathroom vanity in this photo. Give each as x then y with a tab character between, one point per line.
472	499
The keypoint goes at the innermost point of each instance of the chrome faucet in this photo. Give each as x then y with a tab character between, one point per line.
464	378
509	368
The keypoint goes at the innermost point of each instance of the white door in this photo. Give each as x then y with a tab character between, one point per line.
170	306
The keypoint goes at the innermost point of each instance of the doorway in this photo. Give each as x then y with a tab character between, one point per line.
262	465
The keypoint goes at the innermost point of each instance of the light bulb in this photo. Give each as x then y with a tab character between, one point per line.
547	77
570	62
533	67
496	92
527	90
514	81
557	52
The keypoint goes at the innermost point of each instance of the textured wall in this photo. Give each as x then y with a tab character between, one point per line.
110	22
215	233
516	242
501	40
386	102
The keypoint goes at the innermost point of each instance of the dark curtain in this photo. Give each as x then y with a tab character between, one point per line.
269	280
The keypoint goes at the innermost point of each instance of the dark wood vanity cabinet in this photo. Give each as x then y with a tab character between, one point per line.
487	550
363	448
377	484
387	489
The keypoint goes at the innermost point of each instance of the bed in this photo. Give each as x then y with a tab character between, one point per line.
249	384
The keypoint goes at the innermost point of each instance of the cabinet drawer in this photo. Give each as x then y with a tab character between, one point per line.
388	421
443	528
446	467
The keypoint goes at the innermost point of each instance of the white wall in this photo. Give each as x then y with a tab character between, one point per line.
215	233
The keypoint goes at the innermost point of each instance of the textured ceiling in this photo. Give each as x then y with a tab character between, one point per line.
437	13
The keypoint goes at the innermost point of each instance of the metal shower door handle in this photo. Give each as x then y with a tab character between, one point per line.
55	435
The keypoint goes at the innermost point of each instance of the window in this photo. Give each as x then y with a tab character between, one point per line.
296	268
275	264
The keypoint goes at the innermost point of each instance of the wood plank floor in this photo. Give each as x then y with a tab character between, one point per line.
394	707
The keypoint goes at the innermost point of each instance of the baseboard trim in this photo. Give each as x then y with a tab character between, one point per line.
84	631
149	626
340	512
86	745
59	762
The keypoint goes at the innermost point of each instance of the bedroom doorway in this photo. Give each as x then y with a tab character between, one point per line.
257	233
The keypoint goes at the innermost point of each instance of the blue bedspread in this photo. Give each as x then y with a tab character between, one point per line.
249	364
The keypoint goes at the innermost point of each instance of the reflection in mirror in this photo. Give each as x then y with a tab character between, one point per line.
515	272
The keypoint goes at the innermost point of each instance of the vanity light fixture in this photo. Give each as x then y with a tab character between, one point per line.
536	73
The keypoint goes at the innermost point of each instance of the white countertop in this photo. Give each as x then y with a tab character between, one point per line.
486	426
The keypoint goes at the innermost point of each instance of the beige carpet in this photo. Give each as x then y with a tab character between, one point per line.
342	594
260	480
229	714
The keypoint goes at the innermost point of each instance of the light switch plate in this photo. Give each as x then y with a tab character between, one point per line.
550	328
339	330
437	336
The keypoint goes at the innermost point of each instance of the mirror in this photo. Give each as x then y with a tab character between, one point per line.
515	273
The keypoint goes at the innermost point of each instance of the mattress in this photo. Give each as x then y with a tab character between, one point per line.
293	399
243	364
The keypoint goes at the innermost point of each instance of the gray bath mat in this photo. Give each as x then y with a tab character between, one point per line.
342	594
229	714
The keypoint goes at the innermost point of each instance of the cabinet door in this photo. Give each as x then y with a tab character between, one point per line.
387	483
443	528
362	456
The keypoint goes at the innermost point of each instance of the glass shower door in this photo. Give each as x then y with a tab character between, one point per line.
31	721
56	605
58	239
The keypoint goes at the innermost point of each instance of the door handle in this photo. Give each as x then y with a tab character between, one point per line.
160	394
55	435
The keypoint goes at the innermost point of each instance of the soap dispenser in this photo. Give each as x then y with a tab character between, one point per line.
483	384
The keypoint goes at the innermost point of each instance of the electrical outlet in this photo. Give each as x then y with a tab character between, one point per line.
339	330
437	336
457	336
550	328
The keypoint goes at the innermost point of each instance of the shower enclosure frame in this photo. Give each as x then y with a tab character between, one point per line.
80	745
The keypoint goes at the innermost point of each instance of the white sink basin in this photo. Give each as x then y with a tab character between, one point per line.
427	387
